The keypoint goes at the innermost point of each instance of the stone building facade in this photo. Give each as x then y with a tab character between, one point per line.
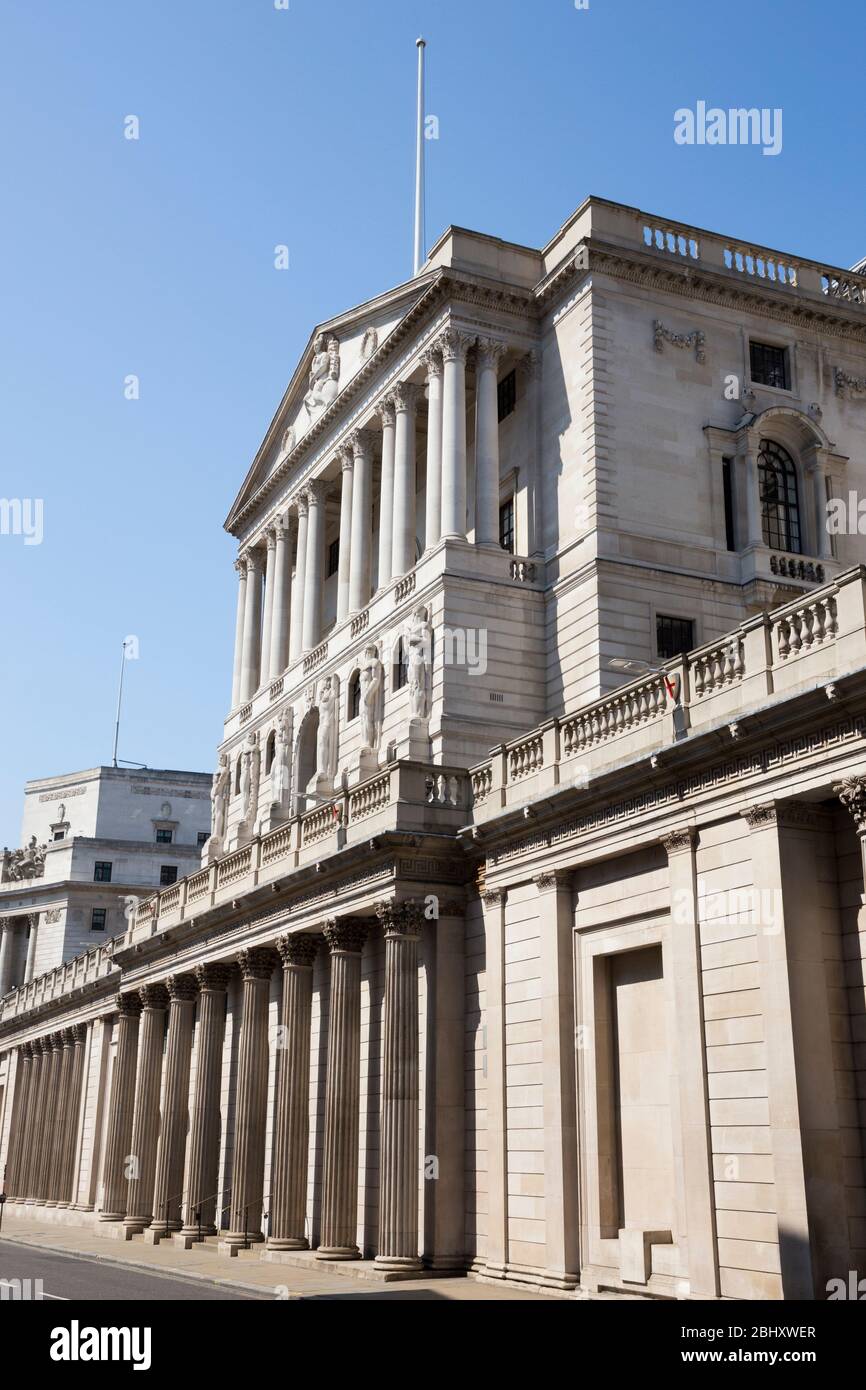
495	963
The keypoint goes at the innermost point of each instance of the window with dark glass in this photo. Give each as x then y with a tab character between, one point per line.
333	557
728	493
101	871
401	669
673	636
202	838
780	505
164	837
506	395
97	919
506	525
768	365
59	835
167	875
354	696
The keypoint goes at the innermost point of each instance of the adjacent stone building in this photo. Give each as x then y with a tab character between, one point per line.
528	939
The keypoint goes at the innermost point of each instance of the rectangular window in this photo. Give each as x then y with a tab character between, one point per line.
506	393
727	488
167	875
101	872
768	365
673	636
506	525
97	919
59	835
164	837
333	557
202	838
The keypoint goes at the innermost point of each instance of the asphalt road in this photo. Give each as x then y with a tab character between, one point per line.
72	1277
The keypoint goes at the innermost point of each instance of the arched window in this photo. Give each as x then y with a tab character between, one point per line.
400	674
780	506
270	749
353	706
238	775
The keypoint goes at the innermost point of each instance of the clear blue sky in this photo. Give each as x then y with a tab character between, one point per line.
261	126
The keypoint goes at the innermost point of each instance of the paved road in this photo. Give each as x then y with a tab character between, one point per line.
74	1277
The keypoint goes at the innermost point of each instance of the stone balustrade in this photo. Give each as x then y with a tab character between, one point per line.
76	975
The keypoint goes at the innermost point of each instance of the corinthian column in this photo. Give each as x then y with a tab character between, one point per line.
35	1116
362	522
79	1033
346	475
168	1189
267	620
433	490
296	644
251	661
241	567
120	1109
386	492
313	578
145	1125
23	1080
403	544
30	967
398	1181
248	1176
6	940
342	1092
487	442
200	1210
292	1114
454	347
48	1136
279	649
58	1128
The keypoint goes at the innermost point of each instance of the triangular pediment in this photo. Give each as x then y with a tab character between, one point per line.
337	352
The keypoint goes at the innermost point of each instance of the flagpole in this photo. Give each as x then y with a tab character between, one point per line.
420	255
119	698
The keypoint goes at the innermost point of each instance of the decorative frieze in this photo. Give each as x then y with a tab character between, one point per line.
696	340
847	386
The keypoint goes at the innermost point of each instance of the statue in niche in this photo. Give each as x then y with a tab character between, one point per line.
251	768
280	767
219	799
419	639
371	698
288	442
324	373
326	741
370	343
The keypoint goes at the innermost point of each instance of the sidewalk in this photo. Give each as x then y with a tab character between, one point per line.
247	1271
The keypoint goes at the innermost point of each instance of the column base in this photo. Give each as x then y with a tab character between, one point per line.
239	1240
288	1243
195	1233
110	1216
134	1225
397	1263
338	1252
160	1230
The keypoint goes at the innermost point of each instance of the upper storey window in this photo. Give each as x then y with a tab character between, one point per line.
507	395
506	525
780	505
769	365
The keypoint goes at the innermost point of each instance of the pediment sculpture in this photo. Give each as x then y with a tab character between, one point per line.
324	380
23	864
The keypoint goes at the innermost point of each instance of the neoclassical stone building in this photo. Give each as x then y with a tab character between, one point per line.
529	939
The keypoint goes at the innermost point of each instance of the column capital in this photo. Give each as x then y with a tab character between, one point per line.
490	352
256	963
57	1041
153	996
213	976
432	362
362	442
529	366
454	344
757	816
25	1051
346	456
241	566
851	791
68	1039
79	1032
43	1044
315	492
346	934
679	840
385	411
253	560
297	949
494	897
181	988
300	504
400	919
551	879
271	537
406	396
128	1005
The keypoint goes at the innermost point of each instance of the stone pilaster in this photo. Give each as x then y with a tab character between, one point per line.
292	1114
168	1189
120	1109
454	346
386	492
403	533
200	1210
58	1135
345	941
398	1168
248	1175
490	353
145	1125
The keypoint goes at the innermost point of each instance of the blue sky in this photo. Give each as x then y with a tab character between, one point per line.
262	126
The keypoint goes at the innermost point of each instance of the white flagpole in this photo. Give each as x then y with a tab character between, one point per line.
420	254
119	701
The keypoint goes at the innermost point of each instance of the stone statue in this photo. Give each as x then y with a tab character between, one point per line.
326	741
419	638
20	864
288	443
250	778
219	799
370	343
324	373
280	776
371	698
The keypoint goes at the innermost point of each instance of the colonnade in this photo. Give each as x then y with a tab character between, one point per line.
279	609
17	964
42	1144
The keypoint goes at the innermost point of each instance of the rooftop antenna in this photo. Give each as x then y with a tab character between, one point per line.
420	254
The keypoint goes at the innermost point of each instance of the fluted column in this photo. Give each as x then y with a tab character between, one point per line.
35	1115
248	1174
398	1166
252	654
145	1125
48	1133
386	492
818	480
313	578
292	1111
200	1209
120	1109
454	346
296	642
241	567
279	649
23	1080
490	354
54	1189
347	467
268	617
403	544
433	488
6	940
79	1034
342	1092
360	567
168	1189
33	922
